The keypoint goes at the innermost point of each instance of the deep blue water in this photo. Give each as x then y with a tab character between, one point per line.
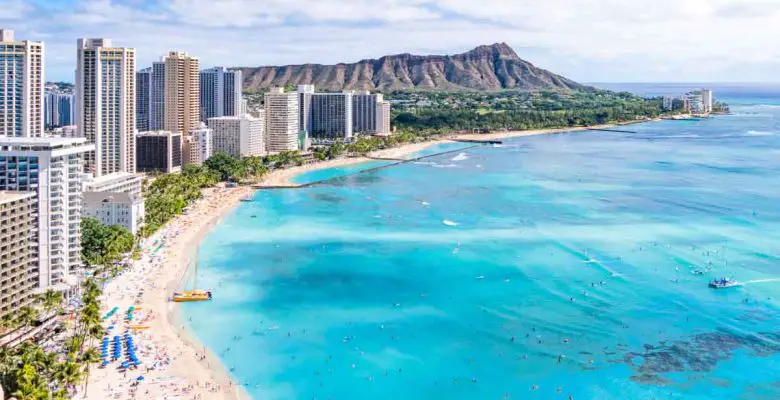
412	281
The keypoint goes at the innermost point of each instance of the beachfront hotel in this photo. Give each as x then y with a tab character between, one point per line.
21	86
105	112
51	168
281	120
238	136
18	250
115	208
220	93
370	113
331	116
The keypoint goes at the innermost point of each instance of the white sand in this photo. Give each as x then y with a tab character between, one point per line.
148	285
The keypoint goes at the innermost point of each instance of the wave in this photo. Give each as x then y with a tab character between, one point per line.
461	157
434	165
449	223
759	133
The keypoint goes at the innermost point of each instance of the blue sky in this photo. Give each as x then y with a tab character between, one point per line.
586	40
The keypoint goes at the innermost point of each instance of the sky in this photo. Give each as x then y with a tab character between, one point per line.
585	40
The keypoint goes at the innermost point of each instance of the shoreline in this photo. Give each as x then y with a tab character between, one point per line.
284	177
188	371
195	364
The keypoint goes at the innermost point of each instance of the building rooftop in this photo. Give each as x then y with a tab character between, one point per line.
41	141
115	177
9	196
157	133
110	197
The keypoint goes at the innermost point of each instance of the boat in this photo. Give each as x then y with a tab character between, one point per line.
246	198
723	283
194	294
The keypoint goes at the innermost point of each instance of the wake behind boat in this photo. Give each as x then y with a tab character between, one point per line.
723	283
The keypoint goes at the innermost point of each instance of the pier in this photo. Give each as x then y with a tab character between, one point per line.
610	130
392	162
479	141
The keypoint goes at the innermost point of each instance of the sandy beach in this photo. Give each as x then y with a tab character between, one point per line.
283	177
175	365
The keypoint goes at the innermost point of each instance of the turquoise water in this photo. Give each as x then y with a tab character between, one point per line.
330	173
548	267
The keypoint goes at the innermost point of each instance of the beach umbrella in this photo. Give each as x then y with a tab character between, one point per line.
140	378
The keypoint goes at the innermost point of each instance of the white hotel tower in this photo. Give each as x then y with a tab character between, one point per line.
51	168
21	86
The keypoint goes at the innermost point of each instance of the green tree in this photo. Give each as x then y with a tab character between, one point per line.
51	301
223	164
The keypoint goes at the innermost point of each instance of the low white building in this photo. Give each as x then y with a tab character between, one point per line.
115	199
115	208
242	136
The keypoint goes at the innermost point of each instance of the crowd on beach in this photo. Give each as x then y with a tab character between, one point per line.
169	367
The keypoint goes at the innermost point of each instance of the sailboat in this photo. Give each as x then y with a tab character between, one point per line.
194	294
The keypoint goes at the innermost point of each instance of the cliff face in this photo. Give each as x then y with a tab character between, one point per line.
493	67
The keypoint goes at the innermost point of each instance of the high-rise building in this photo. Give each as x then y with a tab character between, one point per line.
157	101
281	120
331	117
707	100
201	142
304	107
220	93
383	118
21	86
60	109
182	92
158	151
238	136
18	250
371	114
105	85
696	102
364	112
143	99
52	169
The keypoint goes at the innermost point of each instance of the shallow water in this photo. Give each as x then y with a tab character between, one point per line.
412	281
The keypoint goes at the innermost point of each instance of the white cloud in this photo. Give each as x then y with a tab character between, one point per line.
588	40
11	10
246	13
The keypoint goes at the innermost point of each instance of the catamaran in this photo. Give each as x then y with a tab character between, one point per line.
194	294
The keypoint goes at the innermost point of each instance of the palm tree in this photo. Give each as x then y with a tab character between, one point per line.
26	316
29	384
8	321
51	301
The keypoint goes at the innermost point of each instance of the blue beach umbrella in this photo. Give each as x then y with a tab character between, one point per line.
140	378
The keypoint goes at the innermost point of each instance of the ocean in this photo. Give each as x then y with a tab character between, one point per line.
569	266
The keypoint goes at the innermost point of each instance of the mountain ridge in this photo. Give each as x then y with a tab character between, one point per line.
484	68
